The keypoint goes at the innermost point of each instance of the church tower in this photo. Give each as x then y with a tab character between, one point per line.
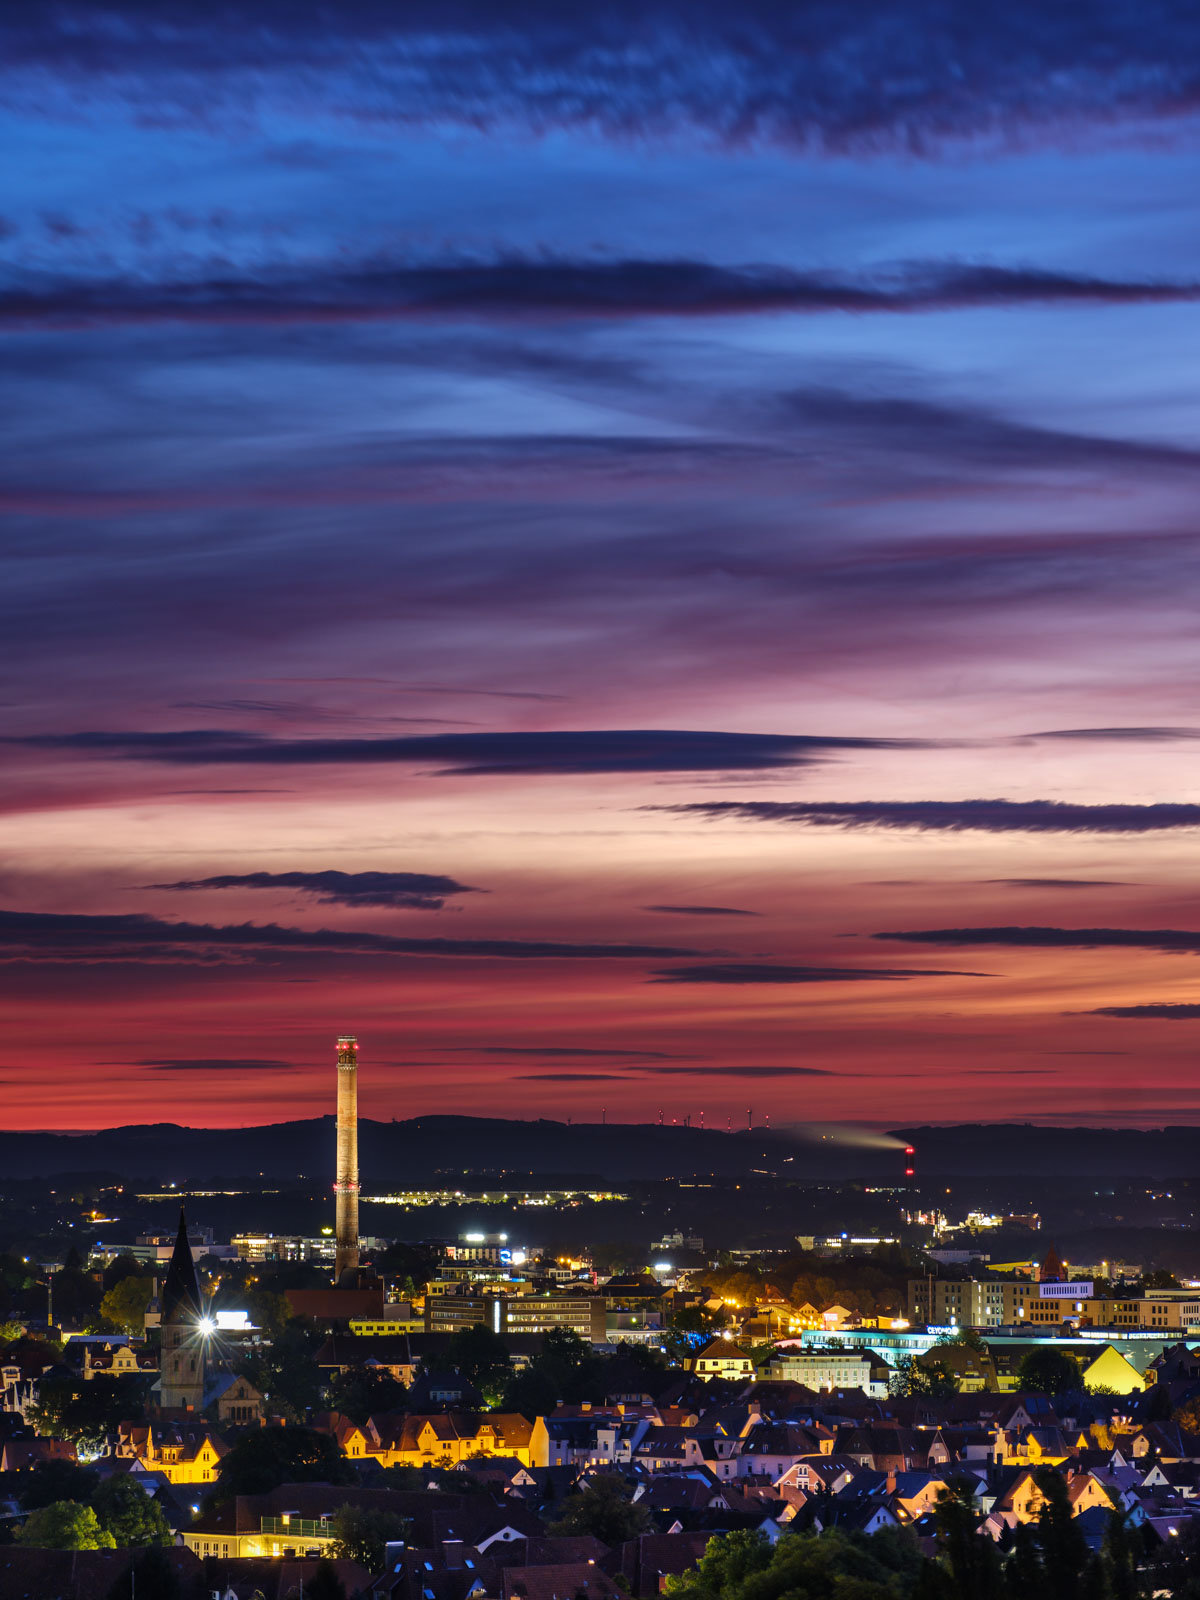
182	1359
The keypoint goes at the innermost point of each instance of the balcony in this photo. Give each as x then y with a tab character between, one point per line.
298	1527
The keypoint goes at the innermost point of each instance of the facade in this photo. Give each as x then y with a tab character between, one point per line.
181	1387
584	1314
183	1453
835	1369
282	1247
446	1438
239	1403
1012	1302
722	1359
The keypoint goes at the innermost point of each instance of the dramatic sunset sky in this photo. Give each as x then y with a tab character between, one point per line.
633	556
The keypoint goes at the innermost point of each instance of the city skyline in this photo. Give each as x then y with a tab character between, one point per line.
631	561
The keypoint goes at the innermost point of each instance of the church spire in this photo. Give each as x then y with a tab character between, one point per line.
181	1361
181	1291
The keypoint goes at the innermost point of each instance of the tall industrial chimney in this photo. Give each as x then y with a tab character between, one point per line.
346	1188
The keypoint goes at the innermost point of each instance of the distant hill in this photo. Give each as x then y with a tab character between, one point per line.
443	1151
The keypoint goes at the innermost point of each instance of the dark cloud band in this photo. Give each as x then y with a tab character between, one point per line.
1165	1011
54	936
419	891
478	754
1172	940
216	1064
565	288
743	972
953	816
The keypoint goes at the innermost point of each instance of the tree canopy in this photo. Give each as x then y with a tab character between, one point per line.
362	1534
604	1510
125	1304
360	1392
1044	1370
129	1514
260	1461
64	1525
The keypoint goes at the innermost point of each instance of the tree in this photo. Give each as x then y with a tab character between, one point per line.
84	1410
602	1510
269	1311
120	1267
1044	1370
1160	1278
636	1369
360	1392
1120	1559
324	1583
971	1561
409	1265
129	1514
1024	1578
10	1332
724	1568
76	1293
125	1304
1174	1568
1065	1554
698	1320
150	1577
803	1566
925	1375
51	1481
65	1525
1187	1415
284	1371
565	1369
362	1534
479	1354
260	1461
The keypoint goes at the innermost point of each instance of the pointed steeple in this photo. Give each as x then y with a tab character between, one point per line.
181	1291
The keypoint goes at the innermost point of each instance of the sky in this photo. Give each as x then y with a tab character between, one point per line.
641	559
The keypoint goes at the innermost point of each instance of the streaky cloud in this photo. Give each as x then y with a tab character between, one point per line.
58	936
1060	883
744	972
1171	940
570	1077
701	911
1134	735
952	816
564	1051
402	890
1164	1011
739	1072
215	1064
540	286
478	754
